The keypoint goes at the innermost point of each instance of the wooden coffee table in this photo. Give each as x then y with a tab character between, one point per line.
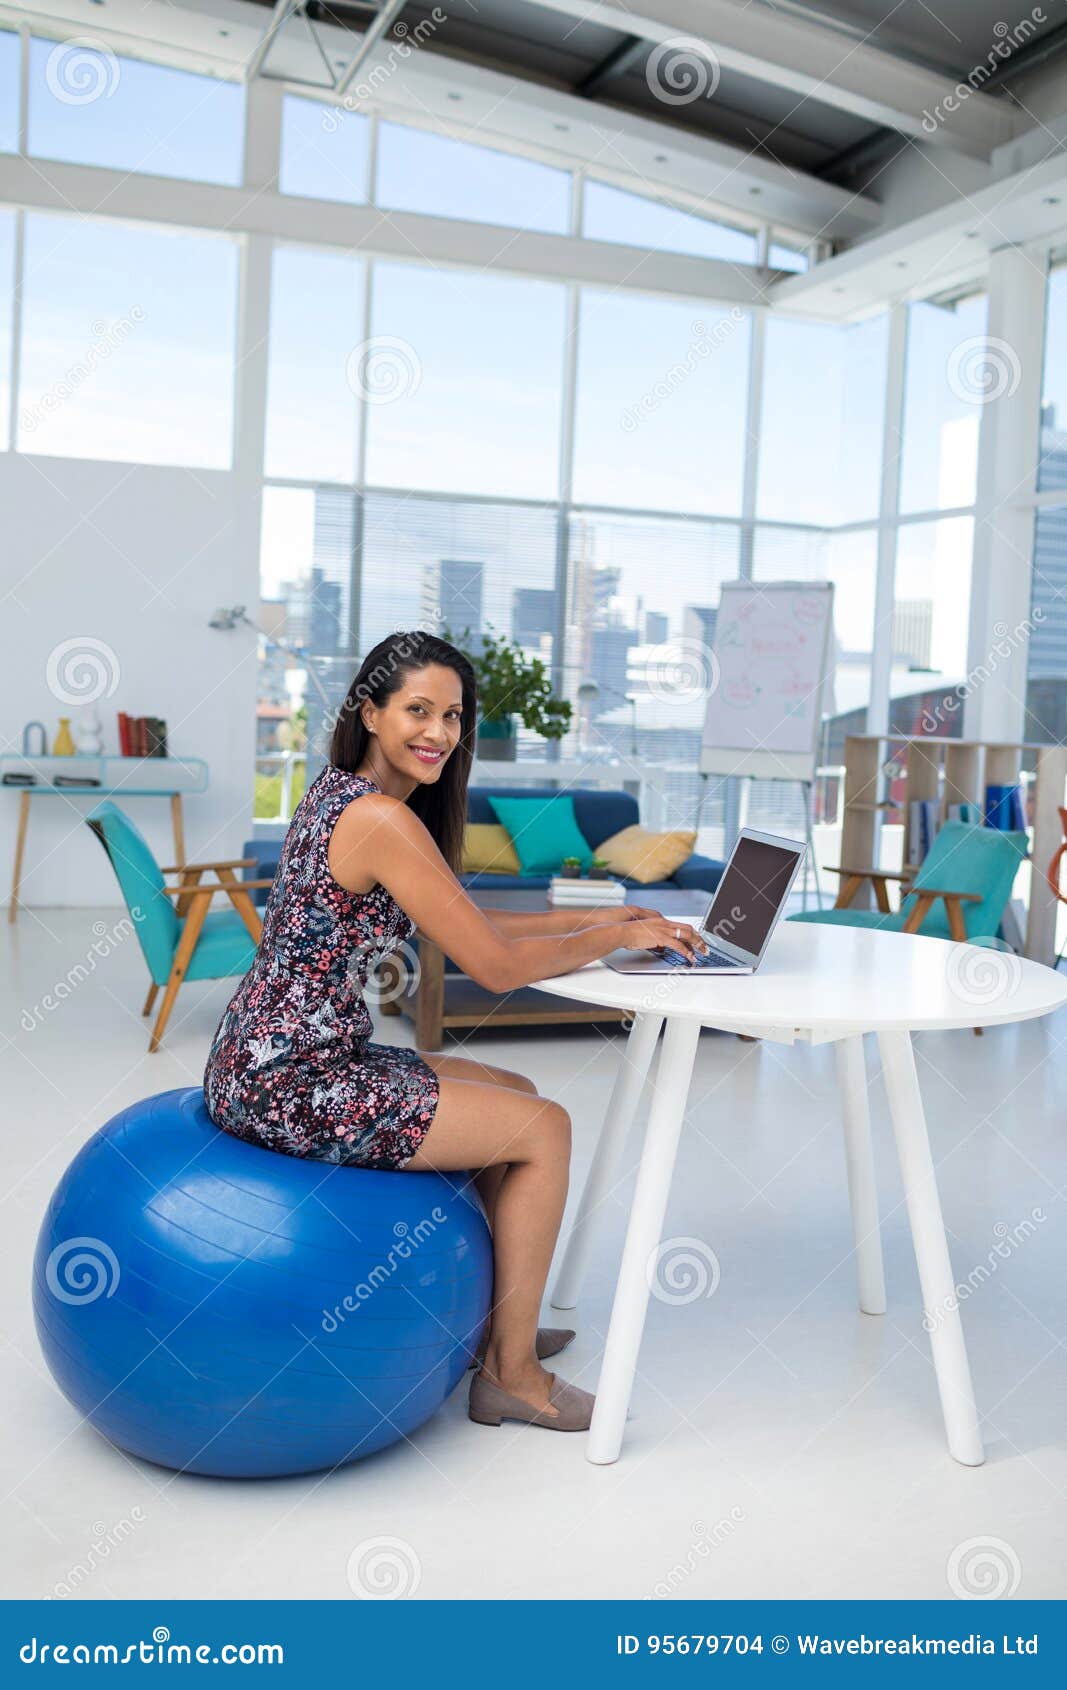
441	1000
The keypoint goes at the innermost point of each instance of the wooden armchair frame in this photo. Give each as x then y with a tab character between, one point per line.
193	899
925	897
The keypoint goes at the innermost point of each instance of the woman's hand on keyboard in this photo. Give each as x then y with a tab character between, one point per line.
660	933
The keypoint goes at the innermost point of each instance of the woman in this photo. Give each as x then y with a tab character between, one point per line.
371	854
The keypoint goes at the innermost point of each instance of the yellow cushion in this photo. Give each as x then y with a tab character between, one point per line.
644	856
487	849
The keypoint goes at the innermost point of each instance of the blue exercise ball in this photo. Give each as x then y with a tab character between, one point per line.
227	1310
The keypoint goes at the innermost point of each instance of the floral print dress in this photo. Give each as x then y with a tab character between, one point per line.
292	1066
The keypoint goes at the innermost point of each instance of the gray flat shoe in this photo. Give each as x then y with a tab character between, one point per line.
550	1340
489	1405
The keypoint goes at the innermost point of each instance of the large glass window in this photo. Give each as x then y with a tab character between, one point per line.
929	632
128	339
7	295
820	450
307	564
1046	696
952	368
612	214
462	377
420	171
459	564
781	257
643	596
89	106
660	414
312	398
324	151
9	91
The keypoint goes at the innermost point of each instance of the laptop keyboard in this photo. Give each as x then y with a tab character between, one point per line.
709	959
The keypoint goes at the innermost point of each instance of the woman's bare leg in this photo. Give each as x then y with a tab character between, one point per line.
487	1180
488	1126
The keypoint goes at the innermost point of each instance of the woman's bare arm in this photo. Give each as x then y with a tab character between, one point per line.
533	924
379	839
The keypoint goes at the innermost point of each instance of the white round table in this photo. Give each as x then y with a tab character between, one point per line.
817	984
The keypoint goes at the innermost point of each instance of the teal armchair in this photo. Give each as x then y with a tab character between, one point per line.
180	937
960	892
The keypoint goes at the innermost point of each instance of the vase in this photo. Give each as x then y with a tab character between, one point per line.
89	733
63	744
496	741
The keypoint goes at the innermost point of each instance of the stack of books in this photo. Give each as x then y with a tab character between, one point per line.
565	890
142	736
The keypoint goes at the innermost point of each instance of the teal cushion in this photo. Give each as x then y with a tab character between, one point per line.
543	831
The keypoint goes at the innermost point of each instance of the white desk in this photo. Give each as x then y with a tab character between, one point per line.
816	984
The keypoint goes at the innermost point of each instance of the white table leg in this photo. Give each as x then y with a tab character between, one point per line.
604	1169
642	1236
859	1166
931	1249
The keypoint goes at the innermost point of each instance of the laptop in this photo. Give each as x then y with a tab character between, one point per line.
741	917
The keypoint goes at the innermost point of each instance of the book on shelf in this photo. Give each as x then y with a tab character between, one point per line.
923	817
142	736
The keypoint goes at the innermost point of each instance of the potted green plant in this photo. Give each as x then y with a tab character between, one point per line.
571	867
511	685
598	869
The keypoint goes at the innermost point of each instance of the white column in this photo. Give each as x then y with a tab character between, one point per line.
888	508
1007	475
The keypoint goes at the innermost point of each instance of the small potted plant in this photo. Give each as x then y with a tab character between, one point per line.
571	867
599	870
510	684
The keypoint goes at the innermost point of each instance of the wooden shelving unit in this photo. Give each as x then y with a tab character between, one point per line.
957	771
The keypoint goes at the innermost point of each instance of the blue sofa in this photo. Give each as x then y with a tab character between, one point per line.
598	812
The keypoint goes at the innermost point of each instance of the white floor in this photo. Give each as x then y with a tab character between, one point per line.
781	1444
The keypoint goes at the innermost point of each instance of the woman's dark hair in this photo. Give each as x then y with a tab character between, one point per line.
442	806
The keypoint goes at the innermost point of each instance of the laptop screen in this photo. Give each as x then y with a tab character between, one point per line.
750	893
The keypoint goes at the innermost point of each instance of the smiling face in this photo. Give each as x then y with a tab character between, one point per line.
418	727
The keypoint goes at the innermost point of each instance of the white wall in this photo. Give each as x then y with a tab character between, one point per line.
136	557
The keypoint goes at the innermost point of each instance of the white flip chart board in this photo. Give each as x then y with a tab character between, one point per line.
772	650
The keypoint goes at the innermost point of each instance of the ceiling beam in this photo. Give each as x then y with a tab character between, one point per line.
617	63
431	89
812	61
409	237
